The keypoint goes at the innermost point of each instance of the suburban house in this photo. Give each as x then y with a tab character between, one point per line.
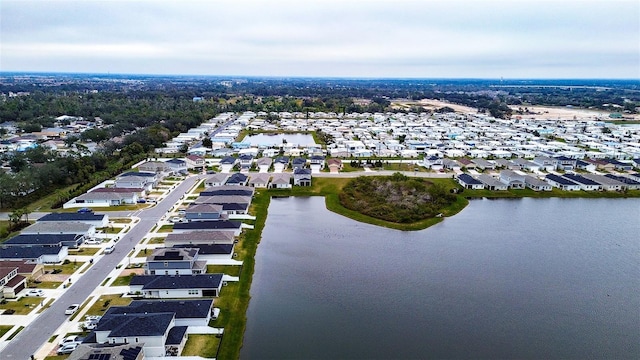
565	163
229	190
585	184
151	331
212	253
144	180
246	161
61	227
88	351
157	167
316	163
51	240
187	312
97	220
259	180
334	165
264	163
227	163
492	183
630	183
298	163
31	271
280	164
545	163
451	164
178	166
512	179
231	205
204	212
606	183
35	254
200	237
102	199
237	179
281	181
130	193
483	164
562	183
195	162
432	162
176	286
234	227
174	261
216	179
469	182
11	283
301	177
536	184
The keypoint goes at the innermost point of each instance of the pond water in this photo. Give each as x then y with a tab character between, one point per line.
276	139
527	278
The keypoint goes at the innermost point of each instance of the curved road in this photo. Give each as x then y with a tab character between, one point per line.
31	338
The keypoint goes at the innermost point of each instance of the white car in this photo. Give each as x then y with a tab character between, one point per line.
34	292
93	241
68	348
71	339
72	309
109	249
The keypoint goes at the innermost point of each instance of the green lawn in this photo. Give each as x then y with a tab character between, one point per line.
231	270
103	303
120	220
67	269
85	251
205	346
122	280
156	240
22	306
5	329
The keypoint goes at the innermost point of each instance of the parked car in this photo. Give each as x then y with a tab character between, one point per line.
68	348
93	241
72	309
71	339
141	201
109	249
34	292
182	212
177	219
91	322
84	210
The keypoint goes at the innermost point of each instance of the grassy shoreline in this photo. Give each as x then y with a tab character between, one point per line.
235	321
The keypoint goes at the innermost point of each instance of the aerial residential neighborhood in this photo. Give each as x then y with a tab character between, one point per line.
170	274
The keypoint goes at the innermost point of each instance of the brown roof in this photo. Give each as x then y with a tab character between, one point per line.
23	267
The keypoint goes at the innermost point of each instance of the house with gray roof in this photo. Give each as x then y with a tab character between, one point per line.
102	199
52	240
61	227
204	212
177	286
38	254
536	184
187	312
174	261
264	163
512	179
259	180
492	183
222	225
152	330
229	190
281	181
92	351
216	179
200	237
97	220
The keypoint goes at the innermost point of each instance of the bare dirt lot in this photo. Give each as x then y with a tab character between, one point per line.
535	112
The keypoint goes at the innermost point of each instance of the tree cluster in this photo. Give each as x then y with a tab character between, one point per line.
397	198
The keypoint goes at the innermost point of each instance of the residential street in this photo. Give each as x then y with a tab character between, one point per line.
30	339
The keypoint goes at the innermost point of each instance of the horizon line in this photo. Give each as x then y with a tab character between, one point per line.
311	76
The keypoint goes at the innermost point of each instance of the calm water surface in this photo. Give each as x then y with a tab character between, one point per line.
276	139
528	278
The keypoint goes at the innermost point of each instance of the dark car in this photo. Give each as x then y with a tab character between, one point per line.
84	210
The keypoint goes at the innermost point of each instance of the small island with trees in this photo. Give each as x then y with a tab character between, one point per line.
396	198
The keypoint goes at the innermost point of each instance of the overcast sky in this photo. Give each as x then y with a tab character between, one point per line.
325	38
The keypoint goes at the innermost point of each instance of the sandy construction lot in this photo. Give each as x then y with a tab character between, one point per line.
536	112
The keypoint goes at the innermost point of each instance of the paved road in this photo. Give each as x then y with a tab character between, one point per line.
29	340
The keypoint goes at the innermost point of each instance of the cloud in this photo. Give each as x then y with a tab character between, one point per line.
325	38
